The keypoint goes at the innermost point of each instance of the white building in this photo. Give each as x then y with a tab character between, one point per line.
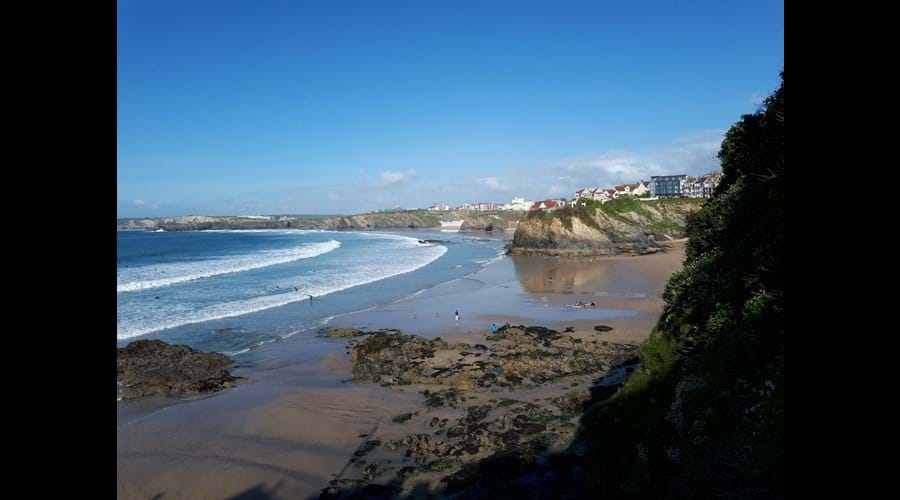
641	188
702	186
482	206
517	204
603	195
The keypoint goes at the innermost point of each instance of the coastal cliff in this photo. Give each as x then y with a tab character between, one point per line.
466	220
624	225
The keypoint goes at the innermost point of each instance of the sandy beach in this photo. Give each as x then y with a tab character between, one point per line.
296	420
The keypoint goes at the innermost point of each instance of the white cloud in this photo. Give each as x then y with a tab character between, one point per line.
757	100
395	177
692	154
495	183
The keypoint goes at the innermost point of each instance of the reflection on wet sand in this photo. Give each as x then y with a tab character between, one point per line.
571	275
611	283
560	275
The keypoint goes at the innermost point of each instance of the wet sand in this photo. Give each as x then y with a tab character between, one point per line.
535	290
292	426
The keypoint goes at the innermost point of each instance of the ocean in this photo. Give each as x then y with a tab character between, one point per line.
233	291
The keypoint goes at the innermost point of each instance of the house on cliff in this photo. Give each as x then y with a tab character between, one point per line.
545	205
667	186
702	186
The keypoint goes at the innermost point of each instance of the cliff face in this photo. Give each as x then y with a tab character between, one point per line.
619	226
411	219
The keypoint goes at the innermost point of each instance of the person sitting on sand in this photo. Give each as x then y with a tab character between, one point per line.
494	327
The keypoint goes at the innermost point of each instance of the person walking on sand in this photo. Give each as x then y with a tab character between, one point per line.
457	315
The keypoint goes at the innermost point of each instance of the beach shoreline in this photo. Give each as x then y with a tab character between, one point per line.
292	426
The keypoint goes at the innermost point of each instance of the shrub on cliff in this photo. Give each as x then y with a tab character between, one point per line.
704	416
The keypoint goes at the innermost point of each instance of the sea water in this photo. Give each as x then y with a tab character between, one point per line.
232	291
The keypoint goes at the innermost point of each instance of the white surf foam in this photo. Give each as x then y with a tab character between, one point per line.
145	277
488	262
365	269
291	231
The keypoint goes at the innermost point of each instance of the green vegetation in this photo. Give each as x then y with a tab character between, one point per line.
583	213
585	209
622	204
665	227
704	415
430	218
662	203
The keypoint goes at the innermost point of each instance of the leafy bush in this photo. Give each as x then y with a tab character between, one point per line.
704	416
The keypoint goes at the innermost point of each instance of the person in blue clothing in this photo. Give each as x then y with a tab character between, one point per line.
494	327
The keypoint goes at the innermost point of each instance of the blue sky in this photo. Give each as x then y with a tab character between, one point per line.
240	107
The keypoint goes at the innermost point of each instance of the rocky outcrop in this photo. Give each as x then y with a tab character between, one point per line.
154	368
503	439
619	226
353	332
519	356
393	358
408	219
466	437
481	221
343	332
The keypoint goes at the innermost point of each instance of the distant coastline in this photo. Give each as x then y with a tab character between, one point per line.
472	220
622	226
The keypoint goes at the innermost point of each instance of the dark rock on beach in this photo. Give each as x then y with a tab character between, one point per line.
527	334
392	358
602	328
154	368
356	490
367	447
352	332
648	251
399	419
521	355
343	332
478	446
